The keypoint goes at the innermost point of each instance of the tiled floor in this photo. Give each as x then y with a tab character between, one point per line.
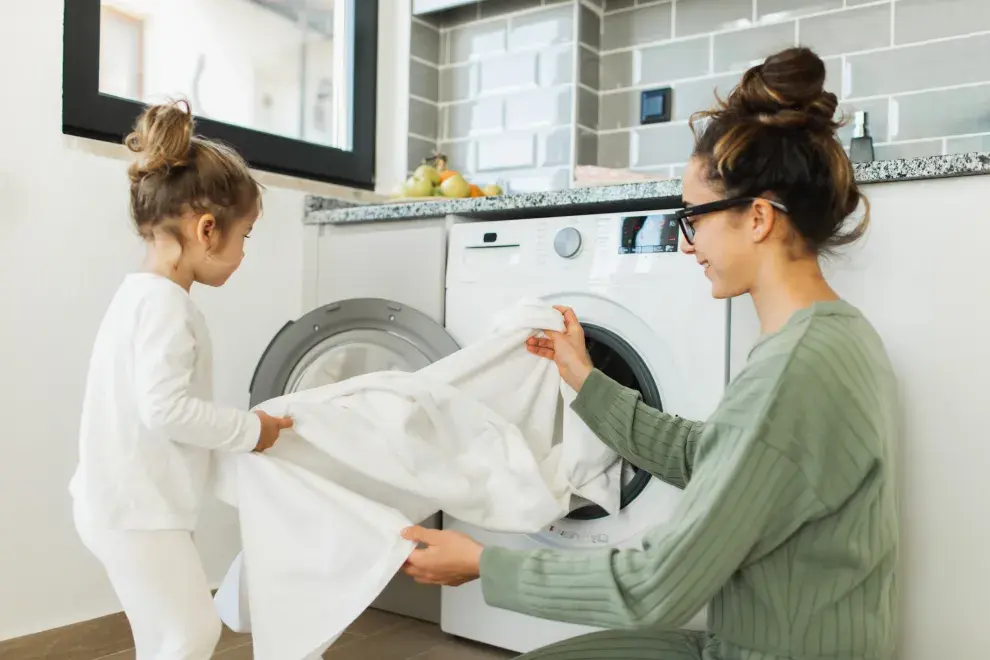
375	635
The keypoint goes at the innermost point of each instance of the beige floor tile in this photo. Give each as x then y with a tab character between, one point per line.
461	650
399	642
375	621
83	641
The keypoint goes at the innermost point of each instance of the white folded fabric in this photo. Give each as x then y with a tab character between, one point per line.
486	435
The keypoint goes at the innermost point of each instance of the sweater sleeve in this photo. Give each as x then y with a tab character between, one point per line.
739	484
165	355
657	442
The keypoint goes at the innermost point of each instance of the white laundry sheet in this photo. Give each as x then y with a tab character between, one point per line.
486	435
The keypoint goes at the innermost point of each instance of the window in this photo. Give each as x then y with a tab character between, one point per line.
289	83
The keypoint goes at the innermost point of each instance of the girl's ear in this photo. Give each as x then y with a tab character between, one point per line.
206	230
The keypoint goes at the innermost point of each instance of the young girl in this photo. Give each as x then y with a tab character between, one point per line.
148	427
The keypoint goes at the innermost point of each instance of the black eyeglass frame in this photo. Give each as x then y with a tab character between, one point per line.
683	215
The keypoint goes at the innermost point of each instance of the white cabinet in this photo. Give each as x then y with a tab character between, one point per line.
918	276
428	6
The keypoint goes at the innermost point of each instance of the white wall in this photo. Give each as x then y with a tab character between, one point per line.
918	275
65	243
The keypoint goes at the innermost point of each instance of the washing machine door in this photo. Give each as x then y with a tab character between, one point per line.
623	347
346	339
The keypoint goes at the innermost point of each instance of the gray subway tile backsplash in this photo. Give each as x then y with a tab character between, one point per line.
554	148
475	40
773	9
506	151
613	149
590	29
555	66
863	28
941	113
617	70
511	72
550	107
645	25
702	16
542	28
663	144
965	145
463	120
939	64
587	109
423	119
424	42
587	147
908	150
618	110
507	92
424	81
919	20
678	59
741	49
590	68
458	83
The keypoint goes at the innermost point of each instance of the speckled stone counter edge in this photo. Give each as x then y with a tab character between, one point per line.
321	210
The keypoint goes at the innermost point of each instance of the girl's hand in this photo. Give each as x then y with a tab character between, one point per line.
567	349
271	427
449	558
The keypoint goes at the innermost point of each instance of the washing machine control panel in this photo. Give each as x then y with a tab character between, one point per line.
567	242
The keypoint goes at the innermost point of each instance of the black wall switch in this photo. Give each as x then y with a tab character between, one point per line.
655	105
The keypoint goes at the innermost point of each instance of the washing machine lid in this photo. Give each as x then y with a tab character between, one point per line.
346	339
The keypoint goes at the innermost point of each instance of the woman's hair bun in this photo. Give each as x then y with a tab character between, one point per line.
788	89
162	138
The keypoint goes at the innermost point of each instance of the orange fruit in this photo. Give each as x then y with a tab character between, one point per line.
446	174
476	191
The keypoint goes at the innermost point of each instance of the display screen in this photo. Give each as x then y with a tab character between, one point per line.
648	234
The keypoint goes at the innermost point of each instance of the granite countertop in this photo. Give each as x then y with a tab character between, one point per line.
641	196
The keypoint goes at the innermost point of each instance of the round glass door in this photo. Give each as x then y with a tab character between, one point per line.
614	357
353	353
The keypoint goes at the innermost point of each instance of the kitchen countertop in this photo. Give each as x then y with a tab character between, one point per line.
640	196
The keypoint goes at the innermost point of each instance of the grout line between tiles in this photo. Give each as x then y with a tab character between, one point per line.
827	12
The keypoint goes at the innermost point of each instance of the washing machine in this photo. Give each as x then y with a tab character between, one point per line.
375	295
650	323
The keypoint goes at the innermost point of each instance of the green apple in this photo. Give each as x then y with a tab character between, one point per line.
428	173
456	186
416	187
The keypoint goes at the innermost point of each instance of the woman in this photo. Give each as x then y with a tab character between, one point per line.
788	526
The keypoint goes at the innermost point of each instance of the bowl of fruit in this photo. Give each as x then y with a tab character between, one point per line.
433	179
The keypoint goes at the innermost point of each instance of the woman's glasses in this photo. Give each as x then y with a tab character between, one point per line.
684	215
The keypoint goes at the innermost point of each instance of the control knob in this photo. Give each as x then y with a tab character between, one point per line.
567	242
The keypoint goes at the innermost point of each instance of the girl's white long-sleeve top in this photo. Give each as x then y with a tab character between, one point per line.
148	425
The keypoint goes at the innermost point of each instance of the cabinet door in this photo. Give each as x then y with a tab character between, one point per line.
426	6
919	276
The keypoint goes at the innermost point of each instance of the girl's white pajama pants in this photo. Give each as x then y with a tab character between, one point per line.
159	579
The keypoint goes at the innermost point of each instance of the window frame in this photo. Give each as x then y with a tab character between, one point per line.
88	113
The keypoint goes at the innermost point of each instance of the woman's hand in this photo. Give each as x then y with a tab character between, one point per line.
567	349
449	558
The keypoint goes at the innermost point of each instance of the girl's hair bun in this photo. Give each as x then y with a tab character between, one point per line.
162	138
